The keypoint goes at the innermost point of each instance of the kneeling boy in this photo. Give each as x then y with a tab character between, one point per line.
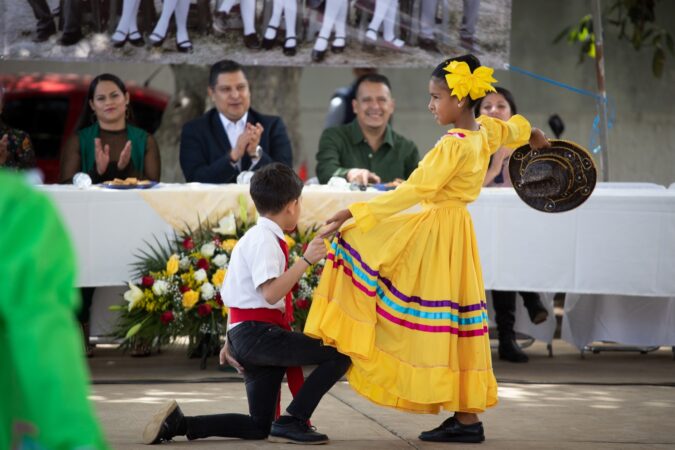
257	291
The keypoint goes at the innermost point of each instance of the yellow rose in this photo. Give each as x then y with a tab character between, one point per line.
228	244
172	265
289	241
218	277
190	298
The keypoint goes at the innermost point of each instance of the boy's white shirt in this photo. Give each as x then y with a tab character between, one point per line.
255	259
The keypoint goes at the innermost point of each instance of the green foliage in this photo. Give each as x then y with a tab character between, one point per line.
635	22
176	291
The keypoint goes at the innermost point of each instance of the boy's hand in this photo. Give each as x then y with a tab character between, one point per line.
316	250
334	223
538	139
226	356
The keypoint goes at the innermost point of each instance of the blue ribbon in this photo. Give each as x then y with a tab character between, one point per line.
611	110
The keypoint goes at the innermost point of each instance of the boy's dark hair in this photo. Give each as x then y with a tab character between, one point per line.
224	66
508	96
470	60
273	187
371	78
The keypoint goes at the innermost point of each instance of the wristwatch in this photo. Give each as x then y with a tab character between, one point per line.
258	152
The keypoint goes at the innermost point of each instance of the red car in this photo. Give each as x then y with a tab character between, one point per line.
48	108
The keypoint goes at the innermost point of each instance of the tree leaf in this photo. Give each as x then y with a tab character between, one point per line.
562	34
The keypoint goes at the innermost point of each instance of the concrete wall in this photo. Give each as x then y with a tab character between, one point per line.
642	140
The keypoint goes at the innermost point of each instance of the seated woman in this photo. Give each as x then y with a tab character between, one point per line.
501	105
110	147
106	149
16	149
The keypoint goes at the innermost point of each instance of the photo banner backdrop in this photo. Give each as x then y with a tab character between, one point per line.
352	33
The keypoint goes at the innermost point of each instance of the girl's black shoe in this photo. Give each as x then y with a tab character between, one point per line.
338	48
290	50
185	46
319	55
136	39
451	430
268	44
117	43
158	40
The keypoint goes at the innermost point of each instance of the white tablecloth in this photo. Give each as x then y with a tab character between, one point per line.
620	242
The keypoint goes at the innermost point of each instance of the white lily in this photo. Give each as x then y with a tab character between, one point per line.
220	260
208	291
133	295
160	287
208	250
227	225
200	275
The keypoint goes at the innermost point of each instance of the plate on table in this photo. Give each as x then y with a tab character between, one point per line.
141	185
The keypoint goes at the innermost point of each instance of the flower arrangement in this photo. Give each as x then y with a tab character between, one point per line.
176	291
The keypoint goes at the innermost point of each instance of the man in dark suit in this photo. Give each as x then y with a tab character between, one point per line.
231	137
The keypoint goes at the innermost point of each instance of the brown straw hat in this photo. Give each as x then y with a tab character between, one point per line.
554	179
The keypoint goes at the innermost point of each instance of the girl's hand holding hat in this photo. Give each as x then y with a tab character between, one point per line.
538	139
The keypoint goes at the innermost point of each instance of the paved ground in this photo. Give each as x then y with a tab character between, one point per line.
605	401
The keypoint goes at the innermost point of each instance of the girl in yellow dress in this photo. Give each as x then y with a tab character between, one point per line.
402	294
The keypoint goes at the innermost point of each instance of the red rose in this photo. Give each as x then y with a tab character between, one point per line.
203	310
147	281
296	288
188	243
166	317
219	299
217	242
203	264
184	289
302	303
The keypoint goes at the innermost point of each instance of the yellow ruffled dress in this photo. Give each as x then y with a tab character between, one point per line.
403	295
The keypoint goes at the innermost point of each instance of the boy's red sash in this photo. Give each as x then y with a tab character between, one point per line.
293	374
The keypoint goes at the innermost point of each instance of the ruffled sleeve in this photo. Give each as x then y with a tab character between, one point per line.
433	173
512	134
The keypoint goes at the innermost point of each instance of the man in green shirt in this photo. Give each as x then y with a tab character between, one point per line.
367	150
44	381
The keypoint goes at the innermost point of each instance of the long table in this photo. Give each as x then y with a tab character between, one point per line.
621	242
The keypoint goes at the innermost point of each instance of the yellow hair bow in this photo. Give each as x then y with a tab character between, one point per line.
462	82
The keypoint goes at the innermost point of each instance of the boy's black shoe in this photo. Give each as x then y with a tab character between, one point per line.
44	34
167	423
68	39
294	431
453	431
